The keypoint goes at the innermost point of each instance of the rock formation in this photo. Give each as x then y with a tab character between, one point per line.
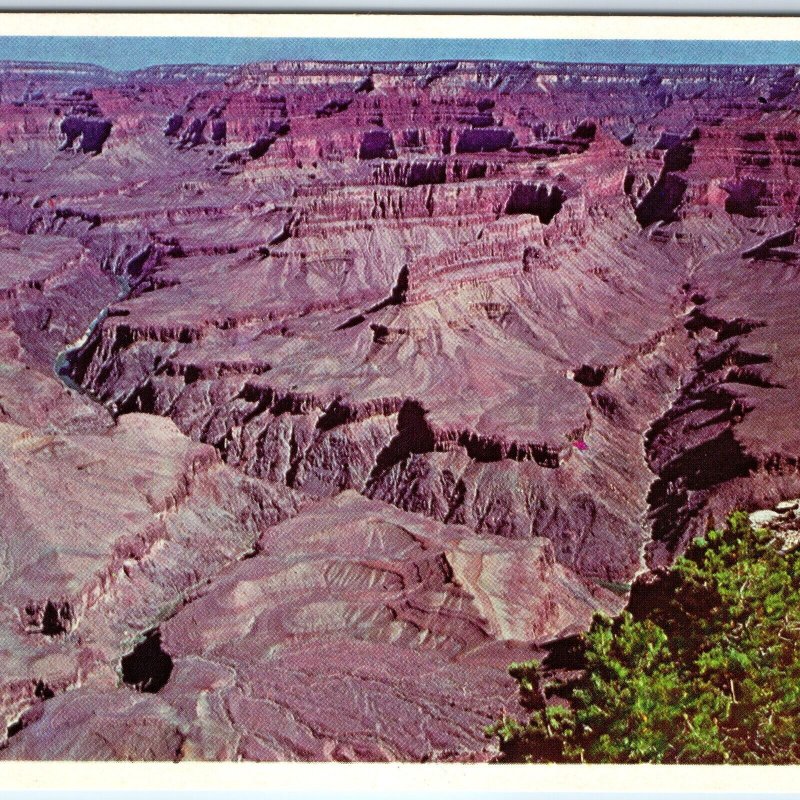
329	389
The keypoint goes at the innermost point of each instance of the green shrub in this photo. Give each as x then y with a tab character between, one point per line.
710	675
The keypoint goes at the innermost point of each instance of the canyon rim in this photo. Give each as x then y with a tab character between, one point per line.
328	389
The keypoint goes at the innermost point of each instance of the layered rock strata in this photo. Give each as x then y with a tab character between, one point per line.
392	369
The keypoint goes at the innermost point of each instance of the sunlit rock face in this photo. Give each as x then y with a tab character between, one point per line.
329	389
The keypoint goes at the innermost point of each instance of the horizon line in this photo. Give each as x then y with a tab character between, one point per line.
408	62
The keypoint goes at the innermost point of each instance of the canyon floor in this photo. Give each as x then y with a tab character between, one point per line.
327	390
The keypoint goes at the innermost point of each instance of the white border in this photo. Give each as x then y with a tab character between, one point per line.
412	26
379	780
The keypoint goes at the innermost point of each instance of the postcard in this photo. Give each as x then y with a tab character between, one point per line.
404	390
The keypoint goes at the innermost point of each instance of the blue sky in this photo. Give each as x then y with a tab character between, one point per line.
131	53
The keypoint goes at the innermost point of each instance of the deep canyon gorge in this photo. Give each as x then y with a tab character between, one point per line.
327	390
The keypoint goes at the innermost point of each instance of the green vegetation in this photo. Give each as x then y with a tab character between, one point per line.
709	673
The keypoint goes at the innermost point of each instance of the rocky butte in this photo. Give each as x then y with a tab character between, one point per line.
327	390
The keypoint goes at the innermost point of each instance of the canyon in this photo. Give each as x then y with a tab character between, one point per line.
328	390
